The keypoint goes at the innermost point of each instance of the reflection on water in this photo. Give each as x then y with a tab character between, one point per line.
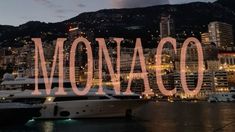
162	117
190	117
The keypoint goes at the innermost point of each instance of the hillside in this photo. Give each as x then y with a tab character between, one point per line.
190	20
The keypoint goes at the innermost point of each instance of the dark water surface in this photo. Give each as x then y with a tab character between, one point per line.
155	117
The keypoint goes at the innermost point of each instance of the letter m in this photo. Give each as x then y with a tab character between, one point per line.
48	81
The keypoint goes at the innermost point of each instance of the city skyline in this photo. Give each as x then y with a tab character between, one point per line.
122	65
15	13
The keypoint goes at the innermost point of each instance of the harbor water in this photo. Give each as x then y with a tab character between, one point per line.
154	117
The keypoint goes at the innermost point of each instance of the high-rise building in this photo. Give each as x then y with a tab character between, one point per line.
192	78
205	38
222	35
227	61
167	27
221	81
213	81
210	54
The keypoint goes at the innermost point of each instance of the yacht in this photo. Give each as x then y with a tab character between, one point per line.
9	82
223	97
73	106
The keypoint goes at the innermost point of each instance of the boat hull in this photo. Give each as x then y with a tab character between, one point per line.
222	98
90	109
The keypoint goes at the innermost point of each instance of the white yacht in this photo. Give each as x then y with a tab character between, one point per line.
72	106
223	97
22	83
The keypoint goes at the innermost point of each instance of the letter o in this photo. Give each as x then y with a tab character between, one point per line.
72	66
183	64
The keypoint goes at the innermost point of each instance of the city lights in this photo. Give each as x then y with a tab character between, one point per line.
115	77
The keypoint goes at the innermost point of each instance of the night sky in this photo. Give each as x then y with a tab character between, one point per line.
16	12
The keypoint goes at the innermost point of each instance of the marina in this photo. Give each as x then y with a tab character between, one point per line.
18	92
70	106
223	97
168	117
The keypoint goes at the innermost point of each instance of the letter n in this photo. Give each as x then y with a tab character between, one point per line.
115	77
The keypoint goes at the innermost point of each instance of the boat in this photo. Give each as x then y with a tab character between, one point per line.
73	106
27	83
223	97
